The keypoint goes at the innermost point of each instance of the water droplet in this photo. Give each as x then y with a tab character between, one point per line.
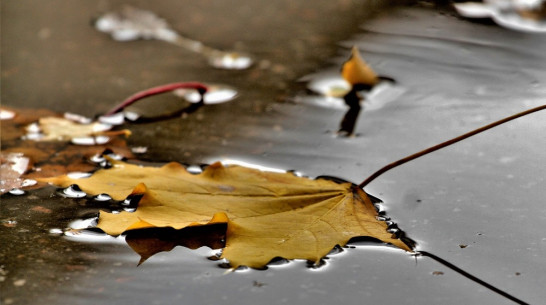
28	182
130	204
336	250
17	192
79	224
114	119
230	60
224	264
97	158
73	191
278	261
98	140
216	94
393	230
86	235
102	197
114	156
131	116
77	118
33	128
56	231
6	114
78	175
215	257
252	165
194	169
316	265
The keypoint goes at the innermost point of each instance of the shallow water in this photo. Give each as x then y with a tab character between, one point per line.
485	193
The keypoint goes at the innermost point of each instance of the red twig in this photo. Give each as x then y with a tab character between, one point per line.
202	89
446	143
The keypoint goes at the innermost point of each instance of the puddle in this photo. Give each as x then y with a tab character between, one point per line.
448	80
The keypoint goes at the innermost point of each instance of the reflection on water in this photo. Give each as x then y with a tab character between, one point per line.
332	91
148	242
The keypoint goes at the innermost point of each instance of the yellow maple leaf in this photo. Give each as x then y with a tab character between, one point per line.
268	214
357	71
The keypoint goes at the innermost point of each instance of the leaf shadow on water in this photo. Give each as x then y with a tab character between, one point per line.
151	241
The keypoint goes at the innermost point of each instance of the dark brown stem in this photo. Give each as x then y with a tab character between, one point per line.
472	277
446	143
202	89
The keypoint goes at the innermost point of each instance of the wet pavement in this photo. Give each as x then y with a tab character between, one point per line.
478	204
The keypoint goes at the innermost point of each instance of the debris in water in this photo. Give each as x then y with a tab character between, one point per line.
13	166
522	15
131	23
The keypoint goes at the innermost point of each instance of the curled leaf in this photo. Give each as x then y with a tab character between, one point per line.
356	71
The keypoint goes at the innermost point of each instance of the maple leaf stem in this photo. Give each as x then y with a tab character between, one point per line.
445	144
202	89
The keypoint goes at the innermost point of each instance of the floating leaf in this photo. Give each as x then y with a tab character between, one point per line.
268	214
62	129
357	72
47	158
